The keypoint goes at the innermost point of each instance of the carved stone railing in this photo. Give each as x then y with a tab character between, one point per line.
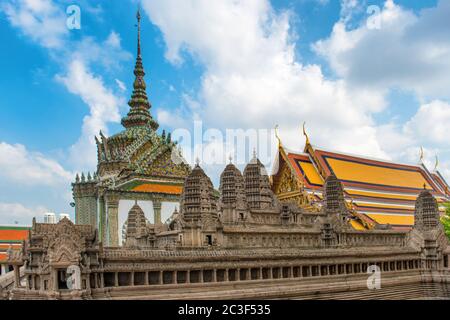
374	238
124	254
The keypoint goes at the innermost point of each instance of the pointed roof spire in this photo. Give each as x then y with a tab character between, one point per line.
436	165
277	136
421	155
305	134
138	17
139	114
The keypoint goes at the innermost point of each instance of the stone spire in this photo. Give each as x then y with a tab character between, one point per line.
139	114
257	185
198	196
334	201
426	215
136	234
232	187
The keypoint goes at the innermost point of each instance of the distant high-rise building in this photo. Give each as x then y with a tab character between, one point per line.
49	217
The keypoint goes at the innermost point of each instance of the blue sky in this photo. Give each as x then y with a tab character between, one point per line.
378	90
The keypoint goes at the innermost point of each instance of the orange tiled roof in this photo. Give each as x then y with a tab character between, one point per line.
383	191
304	167
159	188
12	234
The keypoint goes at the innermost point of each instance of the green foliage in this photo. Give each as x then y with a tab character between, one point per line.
446	219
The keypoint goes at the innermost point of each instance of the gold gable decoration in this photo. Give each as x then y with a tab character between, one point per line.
289	189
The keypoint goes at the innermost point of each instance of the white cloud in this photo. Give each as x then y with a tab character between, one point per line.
17	212
431	123
103	107
428	129
108	53
252	77
121	85
20	166
41	20
44	22
408	50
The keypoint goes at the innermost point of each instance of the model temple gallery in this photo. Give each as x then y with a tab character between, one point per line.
311	230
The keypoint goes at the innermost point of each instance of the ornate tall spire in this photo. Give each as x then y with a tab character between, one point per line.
139	114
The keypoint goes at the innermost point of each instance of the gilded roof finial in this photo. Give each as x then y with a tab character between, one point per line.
421	155
305	134
277	135
436	165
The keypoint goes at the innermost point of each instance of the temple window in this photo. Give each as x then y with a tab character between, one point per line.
220	275
207	275
315	271
232	275
181	276
195	276
109	279
209	240
139	278
286	272
167	277
305	271
124	279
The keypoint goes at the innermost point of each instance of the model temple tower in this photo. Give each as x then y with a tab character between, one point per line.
426	212
257	186
135	164
233	199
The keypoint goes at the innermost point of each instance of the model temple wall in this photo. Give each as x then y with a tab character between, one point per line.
218	240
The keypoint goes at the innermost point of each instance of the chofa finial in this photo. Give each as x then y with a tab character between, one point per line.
305	134
421	155
277	135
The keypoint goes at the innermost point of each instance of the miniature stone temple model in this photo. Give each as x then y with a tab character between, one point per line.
310	230
228	246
